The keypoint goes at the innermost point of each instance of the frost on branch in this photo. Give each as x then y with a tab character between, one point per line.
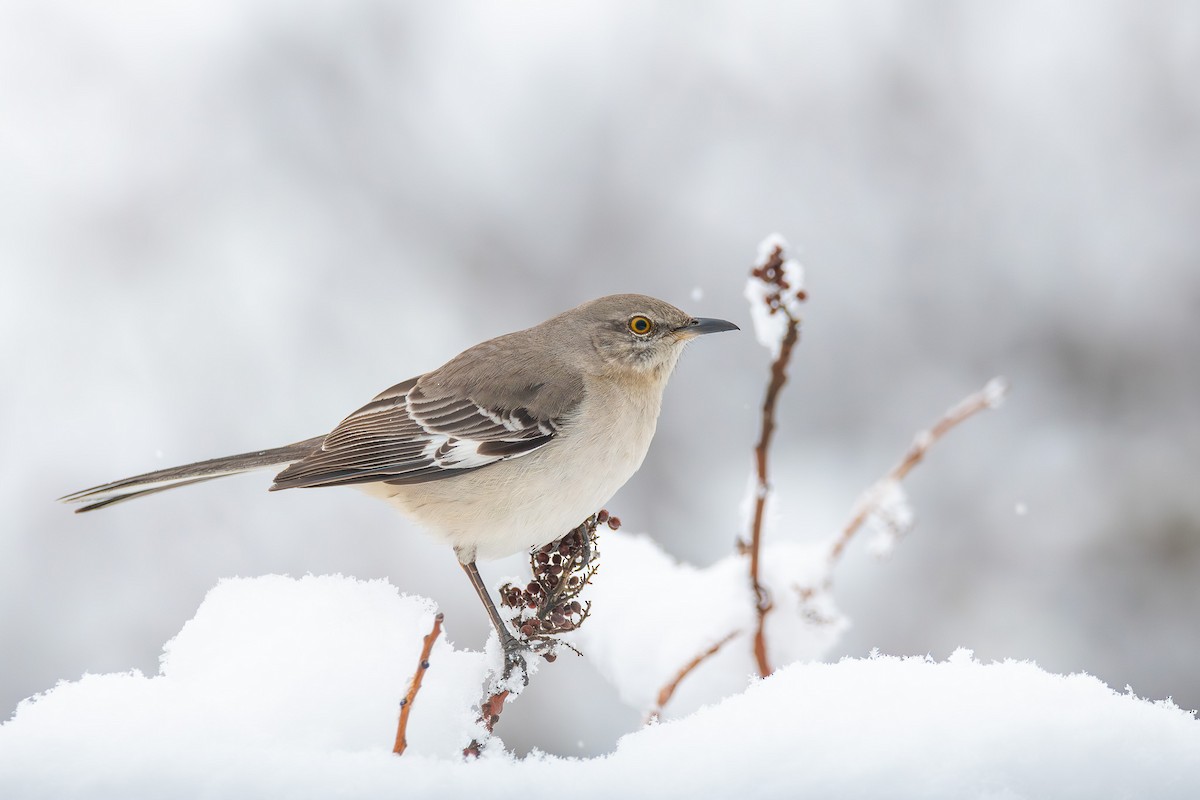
890	516
774	290
884	506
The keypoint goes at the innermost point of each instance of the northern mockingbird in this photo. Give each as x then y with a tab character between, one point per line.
506	447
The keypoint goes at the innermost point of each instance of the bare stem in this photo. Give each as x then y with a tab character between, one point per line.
987	397
415	686
668	691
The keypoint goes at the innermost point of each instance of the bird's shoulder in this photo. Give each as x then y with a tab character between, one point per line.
521	370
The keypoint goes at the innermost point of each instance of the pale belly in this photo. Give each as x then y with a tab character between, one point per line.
529	501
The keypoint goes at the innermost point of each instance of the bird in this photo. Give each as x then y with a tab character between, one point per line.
506	447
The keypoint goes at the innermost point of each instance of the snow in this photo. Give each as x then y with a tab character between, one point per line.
995	391
651	615
284	687
770	324
891	516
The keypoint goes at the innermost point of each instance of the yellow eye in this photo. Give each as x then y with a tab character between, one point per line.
640	325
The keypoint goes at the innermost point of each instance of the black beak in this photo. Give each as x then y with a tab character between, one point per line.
698	327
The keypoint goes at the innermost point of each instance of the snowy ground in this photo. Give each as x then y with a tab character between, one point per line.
282	687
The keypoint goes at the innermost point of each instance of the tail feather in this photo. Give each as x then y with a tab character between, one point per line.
160	480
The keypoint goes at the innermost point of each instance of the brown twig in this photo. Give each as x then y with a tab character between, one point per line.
407	703
770	272
989	396
667	692
489	715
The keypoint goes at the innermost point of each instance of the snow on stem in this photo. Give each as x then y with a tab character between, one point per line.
489	715
775	290
884	500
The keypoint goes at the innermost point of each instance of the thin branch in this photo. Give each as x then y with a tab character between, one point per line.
667	692
422	666
990	396
771	272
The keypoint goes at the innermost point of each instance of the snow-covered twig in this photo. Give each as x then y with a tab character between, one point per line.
775	291
886	493
668	691
422	665
489	715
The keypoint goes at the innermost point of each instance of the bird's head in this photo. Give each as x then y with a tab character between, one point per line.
636	332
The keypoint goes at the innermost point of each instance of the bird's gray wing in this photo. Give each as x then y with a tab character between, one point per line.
425	429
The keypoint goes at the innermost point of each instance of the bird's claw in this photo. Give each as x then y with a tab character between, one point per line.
514	659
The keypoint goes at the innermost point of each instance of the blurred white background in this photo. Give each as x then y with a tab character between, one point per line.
226	224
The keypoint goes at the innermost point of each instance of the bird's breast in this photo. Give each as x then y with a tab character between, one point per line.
530	500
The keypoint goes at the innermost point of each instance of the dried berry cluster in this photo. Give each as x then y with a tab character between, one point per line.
772	273
549	604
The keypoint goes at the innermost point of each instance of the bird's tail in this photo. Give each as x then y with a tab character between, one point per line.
151	482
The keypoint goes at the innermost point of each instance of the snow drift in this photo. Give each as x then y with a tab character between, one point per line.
283	687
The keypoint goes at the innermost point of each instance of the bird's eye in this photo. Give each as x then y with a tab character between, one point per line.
641	325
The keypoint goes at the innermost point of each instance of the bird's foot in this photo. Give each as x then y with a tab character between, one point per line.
515	664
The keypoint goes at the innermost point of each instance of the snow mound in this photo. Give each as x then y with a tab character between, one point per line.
289	688
912	727
652	615
270	671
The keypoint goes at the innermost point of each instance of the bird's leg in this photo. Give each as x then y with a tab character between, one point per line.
514	650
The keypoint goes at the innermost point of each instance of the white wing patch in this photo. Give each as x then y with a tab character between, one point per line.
406	436
450	453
